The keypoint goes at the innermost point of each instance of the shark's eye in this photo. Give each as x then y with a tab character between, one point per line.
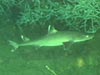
87	36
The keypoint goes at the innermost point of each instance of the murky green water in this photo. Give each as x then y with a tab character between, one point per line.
32	19
83	59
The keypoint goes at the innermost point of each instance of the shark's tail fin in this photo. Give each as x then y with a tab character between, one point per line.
14	44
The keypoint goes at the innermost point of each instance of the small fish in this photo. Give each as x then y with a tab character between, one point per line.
55	38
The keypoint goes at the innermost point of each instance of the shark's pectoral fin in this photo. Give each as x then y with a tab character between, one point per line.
67	45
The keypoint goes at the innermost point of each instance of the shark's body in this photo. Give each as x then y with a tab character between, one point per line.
56	39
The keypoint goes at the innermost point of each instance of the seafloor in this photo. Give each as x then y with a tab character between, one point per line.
82	59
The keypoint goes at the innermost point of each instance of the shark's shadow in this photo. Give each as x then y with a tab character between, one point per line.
47	53
44	53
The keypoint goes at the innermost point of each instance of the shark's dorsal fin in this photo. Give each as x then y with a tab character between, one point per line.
51	29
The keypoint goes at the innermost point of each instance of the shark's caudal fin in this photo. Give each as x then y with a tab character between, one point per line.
14	44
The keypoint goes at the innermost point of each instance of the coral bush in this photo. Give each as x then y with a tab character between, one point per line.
80	15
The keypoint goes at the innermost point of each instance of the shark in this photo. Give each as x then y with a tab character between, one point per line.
55	38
